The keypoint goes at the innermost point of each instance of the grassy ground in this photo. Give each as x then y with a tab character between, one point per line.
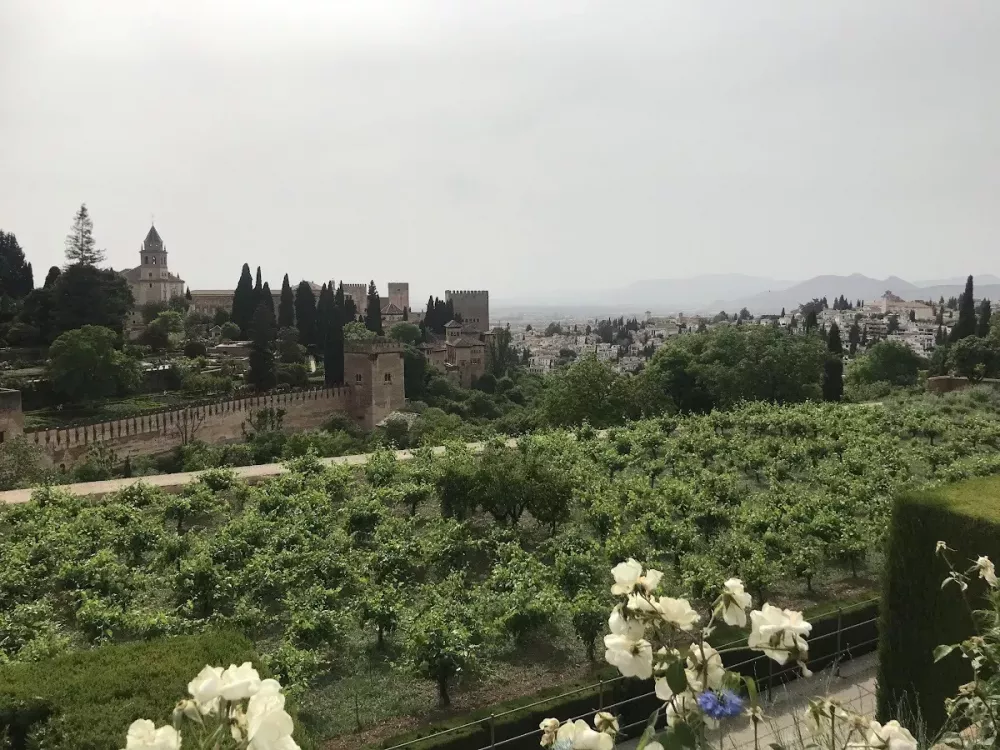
102	411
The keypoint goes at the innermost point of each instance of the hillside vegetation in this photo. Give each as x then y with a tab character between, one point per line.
345	579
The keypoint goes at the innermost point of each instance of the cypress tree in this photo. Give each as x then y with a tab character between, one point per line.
833	342
266	299
333	352
258	287
325	313
983	322
966	325
286	307
854	338
406	313
305	313
187	294
243	301
429	313
263	374
833	379
16	277
373	315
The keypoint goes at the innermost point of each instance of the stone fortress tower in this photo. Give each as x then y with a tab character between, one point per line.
399	294
473	306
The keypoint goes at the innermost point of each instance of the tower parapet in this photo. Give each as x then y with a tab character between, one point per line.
472	305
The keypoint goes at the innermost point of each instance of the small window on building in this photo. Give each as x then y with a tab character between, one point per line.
154	260
151	285
388	377
147	260
357	377
1	436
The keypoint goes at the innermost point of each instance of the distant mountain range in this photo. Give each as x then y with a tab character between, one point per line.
711	293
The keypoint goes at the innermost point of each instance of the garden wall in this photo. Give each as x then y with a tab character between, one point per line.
949	383
218	422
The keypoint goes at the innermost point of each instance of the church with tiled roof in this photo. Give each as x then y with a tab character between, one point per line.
151	280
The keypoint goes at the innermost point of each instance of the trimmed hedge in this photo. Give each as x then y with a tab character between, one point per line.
917	614
87	699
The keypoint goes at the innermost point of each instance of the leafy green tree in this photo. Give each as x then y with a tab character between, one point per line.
358	331
262	374
441	643
288	346
85	295
586	391
80	247
286	307
373	314
983	321
589	613
243	301
811	322
405	333
150	310
220	317
163	332
230	331
414	372
305	313
500	355
16	276
194	349
974	358
966	325
85	364
887	361
22	464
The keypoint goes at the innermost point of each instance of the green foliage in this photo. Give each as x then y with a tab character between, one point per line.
163	332
974	358
86	700
305	313
918	613
84	295
230	331
966	324
16	277
262	374
80	246
194	349
357	331
286	307
244	302
84	364
887	361
588	391
22	464
373	311
405	333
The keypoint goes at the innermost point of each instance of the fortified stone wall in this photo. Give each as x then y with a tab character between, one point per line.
473	306
219	422
949	383
11	416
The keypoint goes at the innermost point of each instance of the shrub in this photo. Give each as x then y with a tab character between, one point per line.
86	700
917	613
194	349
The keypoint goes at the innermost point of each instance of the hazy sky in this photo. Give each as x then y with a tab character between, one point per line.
516	145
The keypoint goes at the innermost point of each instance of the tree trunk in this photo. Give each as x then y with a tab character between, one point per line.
443	698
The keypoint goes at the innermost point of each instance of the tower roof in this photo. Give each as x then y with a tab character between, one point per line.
153	241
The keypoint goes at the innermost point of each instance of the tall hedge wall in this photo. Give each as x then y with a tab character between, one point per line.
86	700
917	614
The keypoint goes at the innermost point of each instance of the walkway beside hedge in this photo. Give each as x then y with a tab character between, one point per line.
173	482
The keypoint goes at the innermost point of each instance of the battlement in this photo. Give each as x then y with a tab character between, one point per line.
465	293
372	347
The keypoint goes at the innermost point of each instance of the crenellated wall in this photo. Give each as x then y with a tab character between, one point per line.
218	422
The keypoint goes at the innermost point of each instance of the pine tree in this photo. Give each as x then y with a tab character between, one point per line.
80	246
305	313
243	301
966	325
286	306
263	372
373	315
51	276
983	322
16	277
833	342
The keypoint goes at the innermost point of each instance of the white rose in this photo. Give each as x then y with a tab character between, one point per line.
549	728
240	682
734	603
779	633
633	628
677	612
891	736
269	727
143	735
986	570
206	689
633	658
583	737
650	581
680	707
705	662
627	576
639	603
606	722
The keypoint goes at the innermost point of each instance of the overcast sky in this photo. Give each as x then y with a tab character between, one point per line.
517	145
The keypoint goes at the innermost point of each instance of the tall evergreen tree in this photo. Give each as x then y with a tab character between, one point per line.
16	277
286	307
833	342
187	294
51	276
258	289
333	352
243	301
325	313
966	325
854	338
833	379
266	298
983	321
373	314
305	313
80	247
263	372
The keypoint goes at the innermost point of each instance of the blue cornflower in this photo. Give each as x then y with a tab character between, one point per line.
721	705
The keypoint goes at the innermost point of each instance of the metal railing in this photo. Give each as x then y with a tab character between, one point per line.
843	649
